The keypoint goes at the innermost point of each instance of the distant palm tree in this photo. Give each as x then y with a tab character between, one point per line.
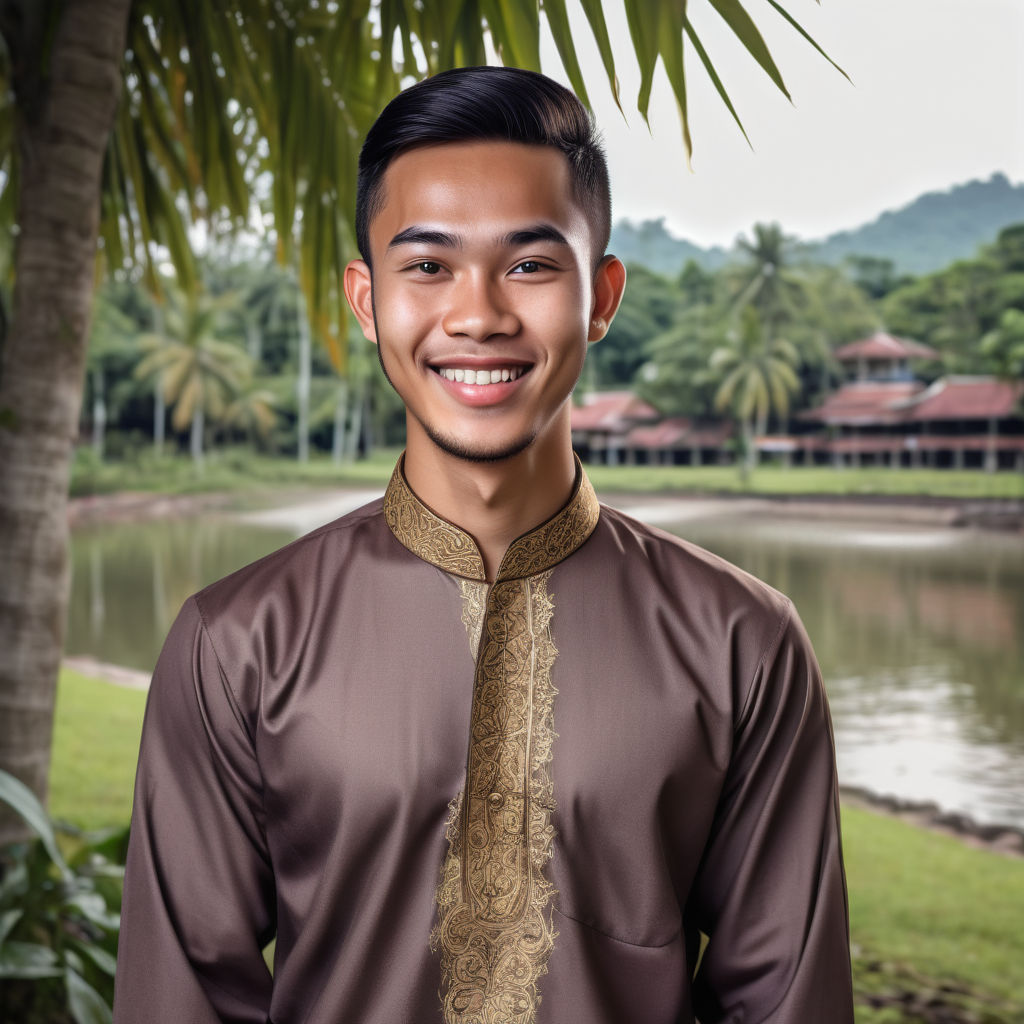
201	371
253	410
758	378
767	280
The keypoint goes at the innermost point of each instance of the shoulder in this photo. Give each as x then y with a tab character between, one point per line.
292	568
686	569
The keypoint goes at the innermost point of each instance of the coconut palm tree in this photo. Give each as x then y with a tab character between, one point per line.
758	378
130	120
767	280
202	372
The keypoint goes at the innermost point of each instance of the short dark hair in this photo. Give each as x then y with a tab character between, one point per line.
485	103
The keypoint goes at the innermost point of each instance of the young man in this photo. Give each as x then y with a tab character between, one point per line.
486	752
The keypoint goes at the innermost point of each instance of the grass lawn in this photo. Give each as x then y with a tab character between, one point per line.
95	746
929	915
242	470
801	480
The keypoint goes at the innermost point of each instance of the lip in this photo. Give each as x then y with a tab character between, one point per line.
479	395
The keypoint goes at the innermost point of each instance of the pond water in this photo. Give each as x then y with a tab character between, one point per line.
919	632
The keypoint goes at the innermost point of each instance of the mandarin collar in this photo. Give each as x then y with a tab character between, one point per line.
440	542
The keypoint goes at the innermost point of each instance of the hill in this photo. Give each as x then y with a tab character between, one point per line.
923	236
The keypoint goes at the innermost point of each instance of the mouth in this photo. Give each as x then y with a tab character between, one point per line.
481	376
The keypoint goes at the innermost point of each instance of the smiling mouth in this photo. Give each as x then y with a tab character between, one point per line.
468	375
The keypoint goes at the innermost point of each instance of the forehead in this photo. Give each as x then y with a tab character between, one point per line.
478	190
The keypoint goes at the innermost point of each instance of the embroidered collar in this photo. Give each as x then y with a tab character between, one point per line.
436	540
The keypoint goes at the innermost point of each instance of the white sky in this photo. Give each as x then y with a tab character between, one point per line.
937	99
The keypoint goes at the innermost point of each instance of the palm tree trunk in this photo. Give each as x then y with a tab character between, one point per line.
340	416
747	455
195	441
355	430
303	381
99	413
62	139
159	403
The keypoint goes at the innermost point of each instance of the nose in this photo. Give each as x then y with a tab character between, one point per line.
479	309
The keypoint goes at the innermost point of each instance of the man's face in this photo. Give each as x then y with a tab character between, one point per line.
483	295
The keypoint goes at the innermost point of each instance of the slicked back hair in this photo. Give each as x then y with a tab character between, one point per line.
481	104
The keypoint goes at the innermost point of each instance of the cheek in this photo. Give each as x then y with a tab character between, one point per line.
402	317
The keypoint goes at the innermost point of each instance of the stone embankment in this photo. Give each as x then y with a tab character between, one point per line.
1005	839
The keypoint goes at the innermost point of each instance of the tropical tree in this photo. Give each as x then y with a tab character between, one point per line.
253	410
1003	346
758	378
767	280
201	371
214	100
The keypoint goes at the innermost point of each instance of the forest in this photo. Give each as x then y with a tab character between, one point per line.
234	363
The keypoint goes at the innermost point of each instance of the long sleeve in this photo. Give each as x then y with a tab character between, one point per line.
199	892
770	893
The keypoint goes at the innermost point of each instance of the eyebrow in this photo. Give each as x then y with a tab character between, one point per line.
417	235
534	233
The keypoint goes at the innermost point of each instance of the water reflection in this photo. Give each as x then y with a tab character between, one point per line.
129	580
919	638
918	633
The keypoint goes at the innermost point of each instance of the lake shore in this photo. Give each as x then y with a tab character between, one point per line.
300	506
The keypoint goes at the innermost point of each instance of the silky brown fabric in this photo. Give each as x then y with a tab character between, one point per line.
307	729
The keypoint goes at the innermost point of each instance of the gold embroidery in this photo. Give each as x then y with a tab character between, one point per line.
494	928
474	604
551	542
495	931
443	544
426	534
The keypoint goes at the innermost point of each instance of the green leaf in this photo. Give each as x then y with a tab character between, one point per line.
93	907
595	16
736	17
28	960
18	796
715	78
803	32
561	32
645	45
86	1005
105	961
7	921
670	43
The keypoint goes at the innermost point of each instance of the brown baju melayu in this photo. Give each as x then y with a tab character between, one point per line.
456	802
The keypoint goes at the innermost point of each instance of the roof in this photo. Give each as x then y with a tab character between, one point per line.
863	402
964	398
678	433
611	411
884	346
659	435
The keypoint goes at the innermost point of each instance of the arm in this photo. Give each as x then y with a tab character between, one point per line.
770	893
199	890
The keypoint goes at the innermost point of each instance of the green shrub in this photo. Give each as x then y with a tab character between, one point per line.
59	917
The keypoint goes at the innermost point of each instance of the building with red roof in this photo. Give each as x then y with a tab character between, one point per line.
601	423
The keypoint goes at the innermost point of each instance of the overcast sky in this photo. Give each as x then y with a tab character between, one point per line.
937	99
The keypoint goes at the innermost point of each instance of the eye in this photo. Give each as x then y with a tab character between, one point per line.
529	267
428	267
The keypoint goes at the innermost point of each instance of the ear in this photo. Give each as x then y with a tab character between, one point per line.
609	284
359	292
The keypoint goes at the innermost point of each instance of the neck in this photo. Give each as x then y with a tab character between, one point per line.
494	502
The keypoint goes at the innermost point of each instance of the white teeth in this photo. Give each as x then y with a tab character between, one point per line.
461	376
